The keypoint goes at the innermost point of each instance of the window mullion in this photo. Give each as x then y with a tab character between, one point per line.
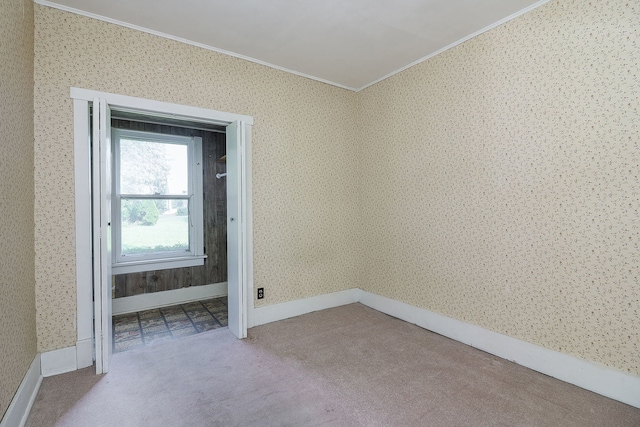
156	196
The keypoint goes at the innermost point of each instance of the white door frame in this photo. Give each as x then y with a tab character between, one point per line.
82	171
101	196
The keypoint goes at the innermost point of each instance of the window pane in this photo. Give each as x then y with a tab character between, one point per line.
154	225
148	167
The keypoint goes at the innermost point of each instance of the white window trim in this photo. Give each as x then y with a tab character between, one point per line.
157	264
195	256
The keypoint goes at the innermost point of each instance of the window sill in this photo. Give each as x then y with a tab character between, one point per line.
156	264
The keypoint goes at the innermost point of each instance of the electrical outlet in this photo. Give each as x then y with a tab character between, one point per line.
260	293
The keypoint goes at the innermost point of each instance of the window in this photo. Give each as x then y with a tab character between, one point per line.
157	201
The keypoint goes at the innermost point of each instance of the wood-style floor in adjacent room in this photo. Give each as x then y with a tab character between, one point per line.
134	330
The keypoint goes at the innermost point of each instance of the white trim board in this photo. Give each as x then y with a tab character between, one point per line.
84	353
592	376
84	247
20	407
166	298
185	41
285	310
248	212
83	194
59	361
277	67
456	43
68	359
160	108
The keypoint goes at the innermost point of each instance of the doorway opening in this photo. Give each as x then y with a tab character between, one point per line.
154	221
94	194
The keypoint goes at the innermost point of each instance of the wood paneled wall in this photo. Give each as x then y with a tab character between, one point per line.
214	269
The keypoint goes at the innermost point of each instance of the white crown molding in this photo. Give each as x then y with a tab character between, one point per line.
185	41
277	67
456	43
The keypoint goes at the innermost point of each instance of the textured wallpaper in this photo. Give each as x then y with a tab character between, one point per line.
501	183
496	183
304	192
17	310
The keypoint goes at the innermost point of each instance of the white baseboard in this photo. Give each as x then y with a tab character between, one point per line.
84	353
18	411
59	361
285	310
592	376
167	298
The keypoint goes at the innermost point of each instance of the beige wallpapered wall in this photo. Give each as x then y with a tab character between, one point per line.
303	154
502	181
496	183
17	310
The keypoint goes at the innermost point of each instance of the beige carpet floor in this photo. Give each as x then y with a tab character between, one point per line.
347	366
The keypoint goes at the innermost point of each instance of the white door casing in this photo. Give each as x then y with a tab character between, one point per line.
84	192
101	148
235	139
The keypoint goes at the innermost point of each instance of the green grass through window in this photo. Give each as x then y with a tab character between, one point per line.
170	233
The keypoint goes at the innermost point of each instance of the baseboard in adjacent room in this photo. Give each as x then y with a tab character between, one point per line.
18	411
592	376
167	298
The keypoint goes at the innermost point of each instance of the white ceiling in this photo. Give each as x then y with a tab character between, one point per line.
347	43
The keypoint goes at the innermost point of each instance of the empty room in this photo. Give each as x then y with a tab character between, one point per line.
426	213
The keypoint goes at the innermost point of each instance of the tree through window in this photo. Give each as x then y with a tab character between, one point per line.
157	203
